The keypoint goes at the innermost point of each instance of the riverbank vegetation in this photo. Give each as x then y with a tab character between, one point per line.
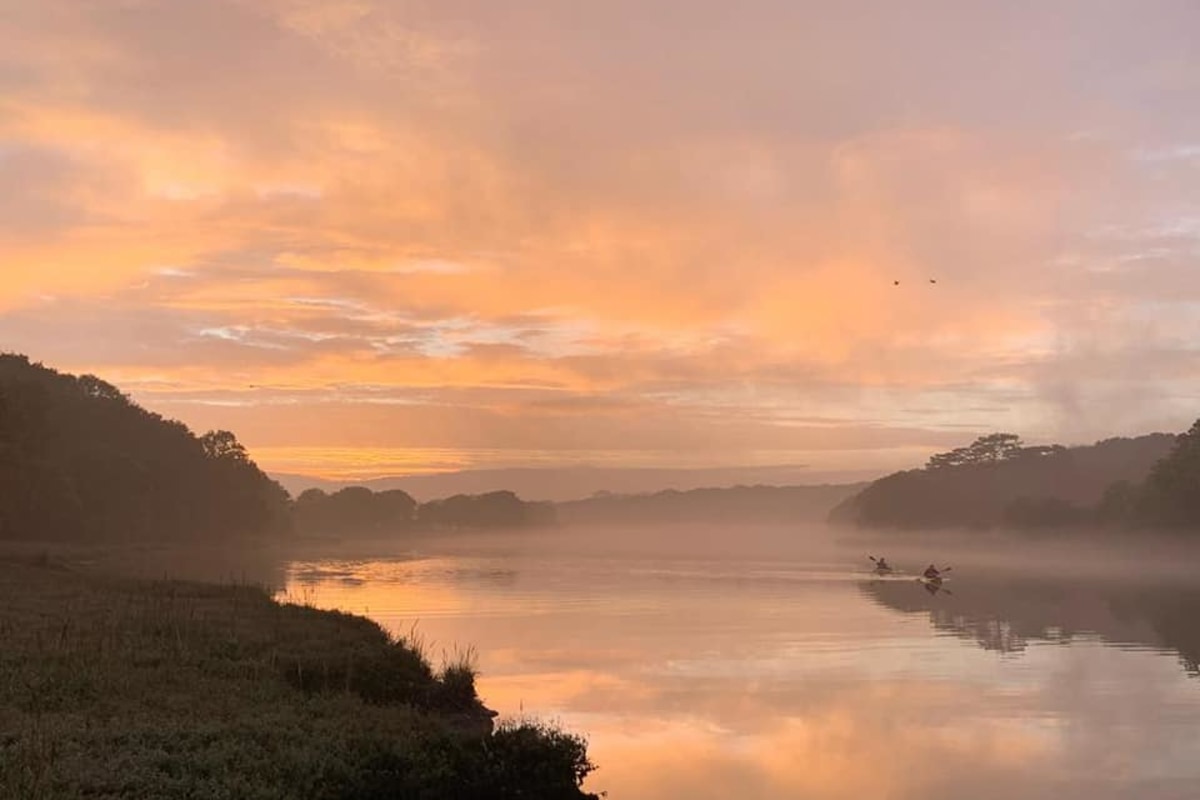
113	686
120	688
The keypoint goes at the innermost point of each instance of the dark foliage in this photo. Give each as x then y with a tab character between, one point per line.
354	511
1119	504
525	760
1044	512
455	688
990	449
490	510
1171	495
997	481
539	754
116	688
81	461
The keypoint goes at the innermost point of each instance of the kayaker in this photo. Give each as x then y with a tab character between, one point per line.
932	573
883	565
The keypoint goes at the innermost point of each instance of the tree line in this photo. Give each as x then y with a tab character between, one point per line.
358	511
81	461
1147	481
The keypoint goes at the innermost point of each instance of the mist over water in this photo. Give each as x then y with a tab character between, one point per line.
767	661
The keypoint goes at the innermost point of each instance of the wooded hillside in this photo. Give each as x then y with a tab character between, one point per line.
79	460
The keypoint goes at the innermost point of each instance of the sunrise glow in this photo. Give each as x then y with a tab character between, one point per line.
378	237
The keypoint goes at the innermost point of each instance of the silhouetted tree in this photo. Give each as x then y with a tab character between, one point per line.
223	445
355	511
1172	491
80	460
984	450
93	387
396	508
996	481
501	509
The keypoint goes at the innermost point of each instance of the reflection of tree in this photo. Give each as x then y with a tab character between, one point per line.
1005	614
1175	617
991	634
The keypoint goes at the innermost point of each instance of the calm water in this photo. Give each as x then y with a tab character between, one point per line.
762	665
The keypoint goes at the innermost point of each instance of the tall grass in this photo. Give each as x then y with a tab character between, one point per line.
112	688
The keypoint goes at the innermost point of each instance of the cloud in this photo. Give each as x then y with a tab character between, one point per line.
704	210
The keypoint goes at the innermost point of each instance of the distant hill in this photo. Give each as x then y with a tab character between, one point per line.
997	481
735	504
560	484
81	461
358	512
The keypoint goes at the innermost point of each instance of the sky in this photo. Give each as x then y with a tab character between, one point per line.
376	236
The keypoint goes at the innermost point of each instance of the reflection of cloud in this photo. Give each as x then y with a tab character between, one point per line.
843	737
841	753
799	689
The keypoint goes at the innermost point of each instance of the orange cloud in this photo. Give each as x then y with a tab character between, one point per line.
360	198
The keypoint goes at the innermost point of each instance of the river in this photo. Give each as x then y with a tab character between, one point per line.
764	663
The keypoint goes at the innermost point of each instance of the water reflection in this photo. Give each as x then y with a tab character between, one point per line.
759	678
1004	612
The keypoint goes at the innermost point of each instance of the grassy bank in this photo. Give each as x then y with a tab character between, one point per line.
116	687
